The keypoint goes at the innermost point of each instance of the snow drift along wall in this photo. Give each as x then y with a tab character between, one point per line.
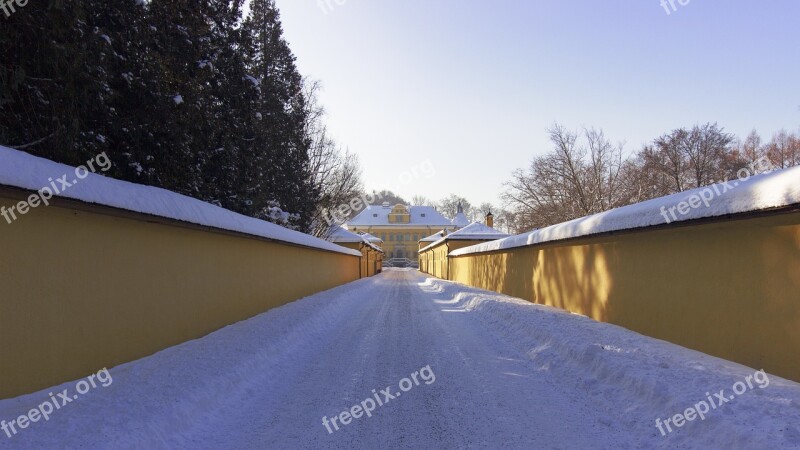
86	286
729	287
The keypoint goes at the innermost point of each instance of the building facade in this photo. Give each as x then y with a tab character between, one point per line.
400	227
434	257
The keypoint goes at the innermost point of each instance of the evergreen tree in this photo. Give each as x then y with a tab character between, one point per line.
182	95
280	144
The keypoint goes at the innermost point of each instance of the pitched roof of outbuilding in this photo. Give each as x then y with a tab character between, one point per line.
373	239
460	220
475	231
434	237
342	236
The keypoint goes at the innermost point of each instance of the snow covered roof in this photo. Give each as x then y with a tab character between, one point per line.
22	170
772	190
373	239
475	231
460	220
342	236
433	238
377	215
374	247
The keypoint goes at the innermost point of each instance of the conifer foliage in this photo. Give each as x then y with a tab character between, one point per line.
189	96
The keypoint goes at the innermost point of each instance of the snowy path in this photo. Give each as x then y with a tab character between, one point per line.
507	375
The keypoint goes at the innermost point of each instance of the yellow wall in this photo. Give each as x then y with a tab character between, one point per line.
434	261
371	259
83	289
729	288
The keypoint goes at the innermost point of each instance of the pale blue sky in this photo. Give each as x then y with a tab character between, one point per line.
472	85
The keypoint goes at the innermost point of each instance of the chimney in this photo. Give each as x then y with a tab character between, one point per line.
490	220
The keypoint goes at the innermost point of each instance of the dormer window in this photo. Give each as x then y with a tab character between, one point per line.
423	214
374	215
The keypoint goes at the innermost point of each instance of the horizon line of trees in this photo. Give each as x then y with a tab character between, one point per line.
192	97
585	173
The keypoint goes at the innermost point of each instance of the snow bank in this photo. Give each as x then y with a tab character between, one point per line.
636	379
760	192
24	171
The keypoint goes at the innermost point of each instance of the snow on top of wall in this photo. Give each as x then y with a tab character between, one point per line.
771	190
24	171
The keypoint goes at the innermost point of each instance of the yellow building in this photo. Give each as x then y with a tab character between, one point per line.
400	227
371	253
433	257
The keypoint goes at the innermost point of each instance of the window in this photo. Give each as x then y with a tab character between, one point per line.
423	214
383	237
399	237
374	215
408	236
416	237
391	236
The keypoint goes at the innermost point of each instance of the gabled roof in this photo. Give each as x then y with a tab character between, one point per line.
421	216
341	236
460	220
475	231
434	237
371	238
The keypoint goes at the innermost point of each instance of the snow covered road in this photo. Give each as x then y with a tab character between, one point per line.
508	374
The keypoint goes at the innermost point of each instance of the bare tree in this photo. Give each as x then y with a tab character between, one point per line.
449	206
752	150
643	176
421	200
689	158
708	149
580	176
585	174
336	173
784	150
669	157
